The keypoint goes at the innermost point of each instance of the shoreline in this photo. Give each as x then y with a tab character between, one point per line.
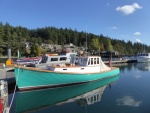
7	57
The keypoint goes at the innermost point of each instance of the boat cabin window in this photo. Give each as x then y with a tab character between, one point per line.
81	61
63	58
93	61
97	60
44	59
89	62
146	54
72	56
85	61
54	59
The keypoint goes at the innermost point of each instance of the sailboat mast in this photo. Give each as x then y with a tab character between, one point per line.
86	40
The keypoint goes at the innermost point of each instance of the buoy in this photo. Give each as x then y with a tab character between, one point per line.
8	62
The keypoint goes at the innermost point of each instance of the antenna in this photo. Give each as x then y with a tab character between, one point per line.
144	48
86	40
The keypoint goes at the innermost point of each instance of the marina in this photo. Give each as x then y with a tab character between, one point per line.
74	57
85	94
128	92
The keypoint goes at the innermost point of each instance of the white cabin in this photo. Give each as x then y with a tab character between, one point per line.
88	64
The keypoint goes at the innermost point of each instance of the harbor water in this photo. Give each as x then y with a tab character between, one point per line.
128	92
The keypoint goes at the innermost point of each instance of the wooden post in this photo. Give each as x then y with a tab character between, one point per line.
110	59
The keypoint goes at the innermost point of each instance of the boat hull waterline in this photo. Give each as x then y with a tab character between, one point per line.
31	79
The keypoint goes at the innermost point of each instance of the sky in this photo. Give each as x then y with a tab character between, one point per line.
127	20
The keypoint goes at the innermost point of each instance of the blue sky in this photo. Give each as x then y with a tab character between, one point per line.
117	19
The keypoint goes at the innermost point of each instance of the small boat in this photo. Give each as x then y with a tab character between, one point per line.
50	59
27	61
143	57
82	70
82	94
47	59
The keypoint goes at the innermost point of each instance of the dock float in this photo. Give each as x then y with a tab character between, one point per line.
7	73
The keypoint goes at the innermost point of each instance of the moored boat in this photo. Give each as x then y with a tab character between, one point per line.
83	69
27	61
143	57
50	59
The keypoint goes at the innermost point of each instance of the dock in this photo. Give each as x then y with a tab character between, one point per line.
121	61
115	61
7	73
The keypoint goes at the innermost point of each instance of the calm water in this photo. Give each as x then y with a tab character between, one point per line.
128	92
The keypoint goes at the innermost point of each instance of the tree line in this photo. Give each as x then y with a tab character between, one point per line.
15	38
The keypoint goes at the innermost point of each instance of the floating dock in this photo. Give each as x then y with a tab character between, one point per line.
7	73
120	61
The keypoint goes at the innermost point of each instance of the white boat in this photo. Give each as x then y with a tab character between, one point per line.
143	57
50	59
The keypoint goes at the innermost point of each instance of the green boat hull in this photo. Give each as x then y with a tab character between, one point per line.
30	79
40	99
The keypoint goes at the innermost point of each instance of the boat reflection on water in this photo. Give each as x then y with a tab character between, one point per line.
143	66
83	94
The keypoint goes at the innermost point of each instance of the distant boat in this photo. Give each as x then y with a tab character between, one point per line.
83	94
143	57
83	69
27	61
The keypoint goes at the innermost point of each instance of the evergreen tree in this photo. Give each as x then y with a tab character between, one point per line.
108	45
95	44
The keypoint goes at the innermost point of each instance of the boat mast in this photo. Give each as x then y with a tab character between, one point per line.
144	48
86	41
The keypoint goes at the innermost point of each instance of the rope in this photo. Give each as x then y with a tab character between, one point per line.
13	92
12	98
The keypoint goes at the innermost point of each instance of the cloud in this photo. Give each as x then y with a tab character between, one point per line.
128	9
113	28
128	101
137	33
138	40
